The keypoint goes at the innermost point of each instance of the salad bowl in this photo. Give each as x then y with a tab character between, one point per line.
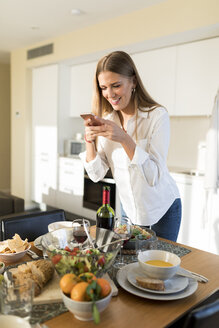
148	237
60	247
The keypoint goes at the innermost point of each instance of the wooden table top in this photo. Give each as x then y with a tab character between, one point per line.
127	310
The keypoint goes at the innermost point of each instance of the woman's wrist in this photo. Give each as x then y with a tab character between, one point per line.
85	138
129	146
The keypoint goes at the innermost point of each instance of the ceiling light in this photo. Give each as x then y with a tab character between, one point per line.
76	11
35	27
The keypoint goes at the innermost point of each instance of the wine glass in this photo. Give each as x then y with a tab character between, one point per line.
79	232
123	227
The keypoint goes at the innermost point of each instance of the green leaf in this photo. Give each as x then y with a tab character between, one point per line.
96	314
1	278
93	291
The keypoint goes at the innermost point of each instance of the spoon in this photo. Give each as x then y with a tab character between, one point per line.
112	242
189	274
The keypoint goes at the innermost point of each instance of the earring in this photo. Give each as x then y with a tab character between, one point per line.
133	90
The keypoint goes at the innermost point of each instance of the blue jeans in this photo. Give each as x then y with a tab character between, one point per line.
168	226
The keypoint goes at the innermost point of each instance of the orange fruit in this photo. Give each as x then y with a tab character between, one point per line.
87	277
78	292
67	282
105	287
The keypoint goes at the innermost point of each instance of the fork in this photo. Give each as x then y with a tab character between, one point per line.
190	274
33	254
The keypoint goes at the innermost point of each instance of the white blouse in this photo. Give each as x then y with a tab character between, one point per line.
145	186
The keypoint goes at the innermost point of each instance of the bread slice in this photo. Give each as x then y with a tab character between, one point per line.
154	284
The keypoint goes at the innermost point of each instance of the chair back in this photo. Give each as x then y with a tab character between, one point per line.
206	316
30	226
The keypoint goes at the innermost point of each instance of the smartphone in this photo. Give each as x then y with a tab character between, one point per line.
85	116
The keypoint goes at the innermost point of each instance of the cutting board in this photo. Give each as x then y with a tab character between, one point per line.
52	293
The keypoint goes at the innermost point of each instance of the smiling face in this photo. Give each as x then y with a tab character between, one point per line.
117	90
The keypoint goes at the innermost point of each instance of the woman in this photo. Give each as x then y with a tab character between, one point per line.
133	140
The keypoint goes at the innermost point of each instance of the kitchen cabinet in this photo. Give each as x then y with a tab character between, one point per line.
199	226
71	175
70	185
213	221
44	133
82	77
197	77
157	70
182	78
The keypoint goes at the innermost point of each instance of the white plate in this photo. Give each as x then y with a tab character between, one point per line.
59	225
173	285
123	281
37	243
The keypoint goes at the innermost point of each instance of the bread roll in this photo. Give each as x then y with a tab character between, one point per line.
40	272
154	284
44	269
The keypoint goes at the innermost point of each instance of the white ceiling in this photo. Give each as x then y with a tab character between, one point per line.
25	22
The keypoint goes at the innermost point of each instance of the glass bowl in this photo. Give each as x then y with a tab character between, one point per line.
61	249
131	243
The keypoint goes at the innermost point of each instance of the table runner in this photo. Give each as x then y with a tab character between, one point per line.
44	312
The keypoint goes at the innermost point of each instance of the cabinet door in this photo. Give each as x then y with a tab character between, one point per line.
197	77
157	71
71	176
44	133
82	77
71	185
193	230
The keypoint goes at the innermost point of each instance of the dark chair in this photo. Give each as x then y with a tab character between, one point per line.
206	316
10	204
30	226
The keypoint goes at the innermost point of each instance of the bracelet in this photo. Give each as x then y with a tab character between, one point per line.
86	139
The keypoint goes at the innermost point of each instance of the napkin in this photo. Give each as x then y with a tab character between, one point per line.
113	286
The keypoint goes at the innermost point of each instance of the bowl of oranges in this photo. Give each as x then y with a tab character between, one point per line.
85	295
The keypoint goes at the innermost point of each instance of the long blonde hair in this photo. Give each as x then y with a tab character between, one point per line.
121	63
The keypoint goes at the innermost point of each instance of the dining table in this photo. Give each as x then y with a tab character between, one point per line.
128	310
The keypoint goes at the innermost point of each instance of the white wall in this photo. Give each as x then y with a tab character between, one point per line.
5	127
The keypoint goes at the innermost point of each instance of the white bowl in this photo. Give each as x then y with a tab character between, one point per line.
158	272
59	224
13	257
2	267
83	310
12	321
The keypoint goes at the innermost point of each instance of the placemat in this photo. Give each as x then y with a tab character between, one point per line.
162	245
129	256
44	312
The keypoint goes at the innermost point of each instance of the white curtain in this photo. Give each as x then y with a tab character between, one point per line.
212	150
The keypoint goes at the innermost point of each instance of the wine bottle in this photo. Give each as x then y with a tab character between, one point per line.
105	214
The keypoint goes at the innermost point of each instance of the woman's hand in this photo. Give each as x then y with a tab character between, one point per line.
111	131
107	129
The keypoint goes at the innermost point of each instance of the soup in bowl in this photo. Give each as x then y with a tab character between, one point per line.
159	264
